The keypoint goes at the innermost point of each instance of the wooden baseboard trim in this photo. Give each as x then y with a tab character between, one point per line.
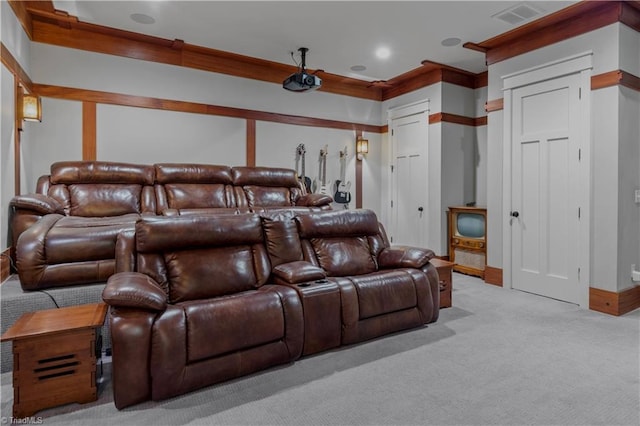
5	264
612	303
493	275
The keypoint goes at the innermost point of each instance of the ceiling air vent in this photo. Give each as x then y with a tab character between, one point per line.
518	14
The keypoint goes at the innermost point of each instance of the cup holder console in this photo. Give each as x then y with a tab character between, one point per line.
323	281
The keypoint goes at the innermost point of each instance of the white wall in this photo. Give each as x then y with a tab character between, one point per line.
57	138
16	41
604	193
373	165
148	136
7	169
276	145
14	37
481	148
629	182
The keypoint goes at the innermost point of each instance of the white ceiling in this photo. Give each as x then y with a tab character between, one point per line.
339	34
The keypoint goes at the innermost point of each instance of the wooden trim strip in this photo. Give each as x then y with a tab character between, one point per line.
5	265
493	275
579	18
607	79
482	80
84	95
358	176
17	131
613	78
251	142
629	80
445	117
630	14
614	303
481	121
430	73
89	130
494	105
14	66
20	10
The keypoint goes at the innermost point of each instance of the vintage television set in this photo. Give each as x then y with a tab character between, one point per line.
468	239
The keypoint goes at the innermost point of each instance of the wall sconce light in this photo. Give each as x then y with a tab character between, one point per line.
31	108
362	147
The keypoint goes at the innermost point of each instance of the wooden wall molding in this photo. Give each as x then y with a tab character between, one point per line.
430	73
89	131
100	97
14	67
613	303
614	78
493	275
251	143
358	176
494	105
445	117
574	20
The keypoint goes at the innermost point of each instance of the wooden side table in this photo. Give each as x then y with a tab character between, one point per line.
54	357
444	269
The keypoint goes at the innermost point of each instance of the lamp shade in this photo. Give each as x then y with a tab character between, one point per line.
362	146
31	108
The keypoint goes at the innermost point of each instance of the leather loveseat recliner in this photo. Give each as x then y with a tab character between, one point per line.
198	299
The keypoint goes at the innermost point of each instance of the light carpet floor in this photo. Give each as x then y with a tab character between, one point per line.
497	357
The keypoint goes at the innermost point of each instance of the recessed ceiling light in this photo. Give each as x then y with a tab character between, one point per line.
451	41
383	52
358	68
141	18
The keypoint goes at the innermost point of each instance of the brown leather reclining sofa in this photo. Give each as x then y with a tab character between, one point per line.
200	299
65	233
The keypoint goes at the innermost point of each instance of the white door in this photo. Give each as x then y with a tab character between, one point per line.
409	180
545	187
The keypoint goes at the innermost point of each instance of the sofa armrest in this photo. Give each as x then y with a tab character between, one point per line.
404	257
314	200
38	203
297	272
134	290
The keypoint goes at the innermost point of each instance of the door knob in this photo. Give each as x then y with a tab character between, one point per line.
420	209
515	214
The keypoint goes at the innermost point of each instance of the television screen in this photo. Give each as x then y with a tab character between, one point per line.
470	225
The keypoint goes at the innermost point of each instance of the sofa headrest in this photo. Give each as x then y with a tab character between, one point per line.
192	173
339	223
264	176
158	234
70	172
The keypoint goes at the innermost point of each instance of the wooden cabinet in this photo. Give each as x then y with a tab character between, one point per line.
54	357
468	239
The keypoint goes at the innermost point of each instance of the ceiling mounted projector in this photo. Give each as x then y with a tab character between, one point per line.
301	81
